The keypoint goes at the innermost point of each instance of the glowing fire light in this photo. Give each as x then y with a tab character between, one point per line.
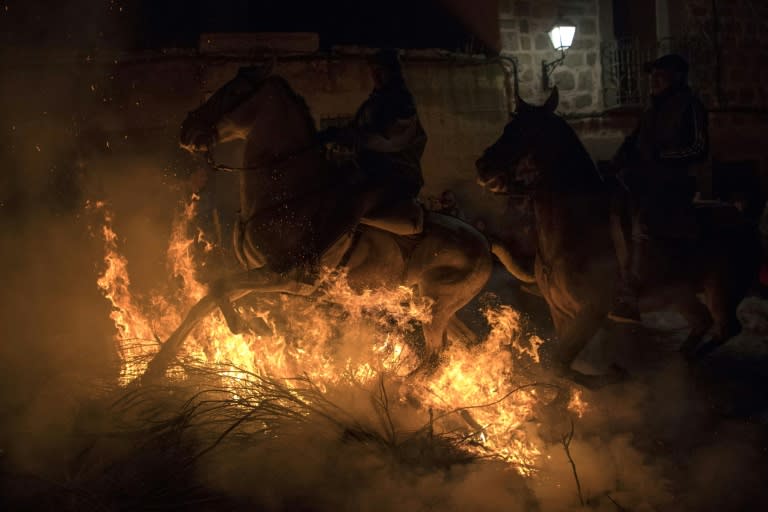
306	340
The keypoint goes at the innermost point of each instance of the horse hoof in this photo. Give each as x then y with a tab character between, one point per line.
259	327
236	324
703	350
594	382
427	367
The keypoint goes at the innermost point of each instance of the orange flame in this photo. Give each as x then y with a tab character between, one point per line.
342	336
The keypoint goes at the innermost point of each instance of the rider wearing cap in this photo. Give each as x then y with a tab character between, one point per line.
653	164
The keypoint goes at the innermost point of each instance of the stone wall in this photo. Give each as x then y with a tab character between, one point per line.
729	57
462	105
735	36
128	108
524	25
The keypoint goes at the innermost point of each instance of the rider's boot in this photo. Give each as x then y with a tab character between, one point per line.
625	307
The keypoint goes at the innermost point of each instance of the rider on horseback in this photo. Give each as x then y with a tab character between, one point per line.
656	191
389	141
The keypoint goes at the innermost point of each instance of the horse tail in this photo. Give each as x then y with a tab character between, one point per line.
513	267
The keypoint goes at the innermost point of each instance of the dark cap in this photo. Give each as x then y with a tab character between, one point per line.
671	62
388	58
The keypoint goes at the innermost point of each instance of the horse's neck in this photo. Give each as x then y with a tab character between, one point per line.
571	209
279	159
285	182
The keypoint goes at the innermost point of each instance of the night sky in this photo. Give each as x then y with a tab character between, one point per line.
147	24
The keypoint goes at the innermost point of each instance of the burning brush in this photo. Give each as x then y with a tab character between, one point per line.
334	345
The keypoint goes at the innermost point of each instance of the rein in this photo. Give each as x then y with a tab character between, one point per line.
278	159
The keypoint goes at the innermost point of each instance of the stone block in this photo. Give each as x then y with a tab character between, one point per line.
525	43
548	10
582	101
506	8
564	80
524	60
233	43
584	43
527	75
572	10
585	81
527	91
510	41
591	59
543	42
521	9
524	26
574	59
588	27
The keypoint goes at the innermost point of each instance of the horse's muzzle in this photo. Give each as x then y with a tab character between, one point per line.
493	181
497	184
196	136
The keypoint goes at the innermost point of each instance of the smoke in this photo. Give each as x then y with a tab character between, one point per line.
674	437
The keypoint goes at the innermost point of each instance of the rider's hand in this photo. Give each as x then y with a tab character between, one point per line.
200	142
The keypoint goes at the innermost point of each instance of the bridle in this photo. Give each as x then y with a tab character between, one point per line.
517	156
276	161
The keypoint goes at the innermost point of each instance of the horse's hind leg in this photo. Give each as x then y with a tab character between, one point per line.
573	335
699	320
451	289
722	306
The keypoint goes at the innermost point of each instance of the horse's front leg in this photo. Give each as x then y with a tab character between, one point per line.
221	296
224	300
229	290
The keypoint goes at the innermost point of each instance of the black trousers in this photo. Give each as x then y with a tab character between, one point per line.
644	213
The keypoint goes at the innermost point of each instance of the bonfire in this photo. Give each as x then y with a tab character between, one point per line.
329	345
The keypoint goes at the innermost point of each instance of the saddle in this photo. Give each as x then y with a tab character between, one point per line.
403	218
298	232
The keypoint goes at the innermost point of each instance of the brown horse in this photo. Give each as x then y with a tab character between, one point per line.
576	267
298	213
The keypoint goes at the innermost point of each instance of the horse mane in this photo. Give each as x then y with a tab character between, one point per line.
574	161
298	99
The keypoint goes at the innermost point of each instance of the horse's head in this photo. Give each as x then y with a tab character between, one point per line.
511	163
201	129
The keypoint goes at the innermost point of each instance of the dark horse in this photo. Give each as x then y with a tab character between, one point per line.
296	206
576	267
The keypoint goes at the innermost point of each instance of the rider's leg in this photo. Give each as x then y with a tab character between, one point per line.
392	207
404	217
621	231
626	230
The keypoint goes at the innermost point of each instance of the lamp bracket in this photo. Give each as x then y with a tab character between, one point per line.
548	67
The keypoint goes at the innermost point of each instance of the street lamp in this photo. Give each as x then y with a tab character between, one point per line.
561	35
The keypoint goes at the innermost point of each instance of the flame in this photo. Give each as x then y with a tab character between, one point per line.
481	381
342	336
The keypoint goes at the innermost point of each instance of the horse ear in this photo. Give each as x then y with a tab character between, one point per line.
521	105
554	99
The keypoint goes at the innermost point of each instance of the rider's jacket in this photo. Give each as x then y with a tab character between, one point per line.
389	136
671	135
